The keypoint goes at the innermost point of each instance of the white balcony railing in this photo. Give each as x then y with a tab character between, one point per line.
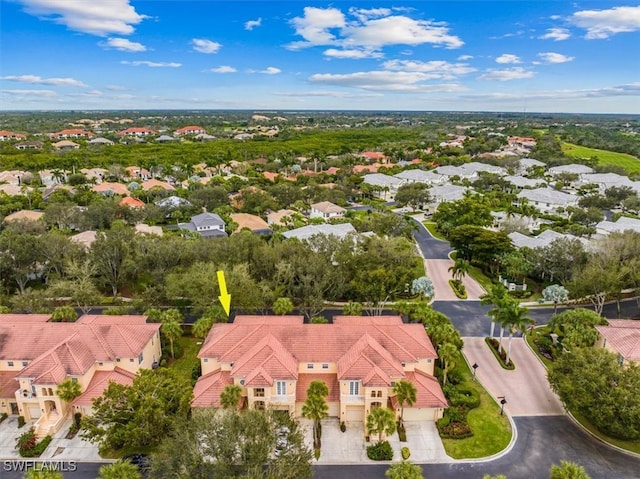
282	399
352	399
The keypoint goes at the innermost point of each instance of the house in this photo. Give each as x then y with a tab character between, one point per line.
100	141
84	239
548	200
171	202
10	190
137	131
24	215
280	217
142	228
165	139
190	130
620	225
131	202
386	186
153	183
521	182
110	189
470	171
251	222
205	137
71	133
30	145
572	169
606	181
274	359
87	351
341	231
374	156
206	224
622	337
10	135
94	174
13	177
444	193
65	145
542	240
527	164
503	220
326	210
421	176
137	172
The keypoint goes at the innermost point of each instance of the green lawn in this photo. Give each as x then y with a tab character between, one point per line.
605	157
633	446
431	226
477	274
491	431
185	364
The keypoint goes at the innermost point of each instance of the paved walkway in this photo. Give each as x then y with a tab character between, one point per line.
525	388
438	272
349	447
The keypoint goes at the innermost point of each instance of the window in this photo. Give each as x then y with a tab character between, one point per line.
258	392
325	366
428	361
140	358
259	405
309	365
379	394
206	360
24	364
117	360
74	380
354	388
10	364
373	394
281	388
131	360
242	382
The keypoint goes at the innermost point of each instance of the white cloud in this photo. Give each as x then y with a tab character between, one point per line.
270	71
629	89
368	30
116	88
392	81
97	17
124	45
515	73
352	54
557	34
508	58
36	93
224	69
251	24
205	46
464	58
152	64
328	93
551	57
435	69
601	24
35	79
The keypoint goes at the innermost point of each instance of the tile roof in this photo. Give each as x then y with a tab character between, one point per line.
252	222
24	215
207	390
429	393
328	207
116	188
100	381
8	384
24	318
153	183
623	335
341	230
267	359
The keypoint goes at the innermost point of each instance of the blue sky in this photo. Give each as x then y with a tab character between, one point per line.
545	56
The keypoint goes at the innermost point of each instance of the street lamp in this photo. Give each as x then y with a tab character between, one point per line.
475	366
503	401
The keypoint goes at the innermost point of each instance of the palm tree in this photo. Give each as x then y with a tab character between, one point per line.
447	353
404	470
405	392
68	390
381	421
40	472
352	309
172	330
460	268
496	296
316	408
202	326
516	319
119	470
230	396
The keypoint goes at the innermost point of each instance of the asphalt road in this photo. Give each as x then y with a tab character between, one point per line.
431	248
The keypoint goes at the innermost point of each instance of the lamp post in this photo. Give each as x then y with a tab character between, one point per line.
503	401
475	366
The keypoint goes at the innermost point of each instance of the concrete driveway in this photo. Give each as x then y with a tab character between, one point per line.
525	388
438	272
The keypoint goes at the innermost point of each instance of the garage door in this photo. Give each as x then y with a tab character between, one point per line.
355	414
34	411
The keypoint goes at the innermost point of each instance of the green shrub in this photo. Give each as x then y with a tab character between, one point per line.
343	426
458	288
405	453
465	397
3	416
117	311
380	451
21	421
402	432
453	424
28	445
316	454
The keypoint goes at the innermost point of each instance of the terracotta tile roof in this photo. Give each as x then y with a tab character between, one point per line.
276	217
429	393
267	359
8	384
367	355
86	238
328	207
373	155
332	170
24	318
100	381
189	130
269	175
305	380
131	202
24	215
117	188
623	335
153	183
252	222
207	390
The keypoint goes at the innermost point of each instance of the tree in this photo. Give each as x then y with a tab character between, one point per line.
381	421
229	444
460	268
139	415
282	306
556	294
172	330
568	470
415	195
68	390
422	286
352	309
516	318
316	408
404	470
64	314
230	396
496	296
576	328
202	326
448	353
41	472
119	470
593	383
20	258
405	393
112	254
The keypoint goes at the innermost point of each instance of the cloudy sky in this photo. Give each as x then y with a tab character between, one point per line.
546	56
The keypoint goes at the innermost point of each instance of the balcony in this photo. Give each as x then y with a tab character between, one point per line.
282	399
348	399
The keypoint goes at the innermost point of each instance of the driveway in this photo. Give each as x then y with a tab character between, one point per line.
525	388
438	273
430	247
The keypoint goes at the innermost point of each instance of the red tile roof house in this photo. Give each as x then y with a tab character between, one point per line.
10	135
137	131
622	337
189	130
275	358
72	133
37	355
326	210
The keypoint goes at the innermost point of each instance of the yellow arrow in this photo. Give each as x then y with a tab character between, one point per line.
225	297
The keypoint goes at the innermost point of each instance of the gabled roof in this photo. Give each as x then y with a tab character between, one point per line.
623	336
549	196
367	359
429	393
131	202
328	207
305	380
100	381
115	188
341	230
207	219
378	179
153	183
267	359
24	215
573	168
207	390
249	221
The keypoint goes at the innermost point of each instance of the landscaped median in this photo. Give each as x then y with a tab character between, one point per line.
491	431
